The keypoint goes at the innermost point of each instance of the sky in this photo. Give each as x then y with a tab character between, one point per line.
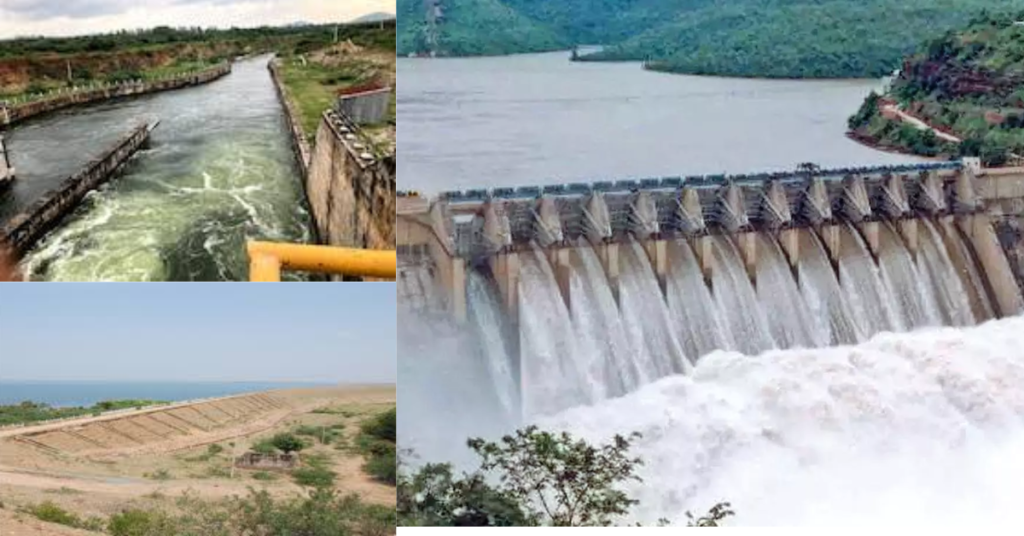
80	17
338	333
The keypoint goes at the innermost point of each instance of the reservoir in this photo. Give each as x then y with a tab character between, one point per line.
539	119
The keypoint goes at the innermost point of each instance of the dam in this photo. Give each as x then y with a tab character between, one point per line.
581	292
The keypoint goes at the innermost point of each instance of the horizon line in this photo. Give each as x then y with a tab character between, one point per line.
297	23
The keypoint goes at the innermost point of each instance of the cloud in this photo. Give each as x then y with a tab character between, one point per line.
34	10
79	17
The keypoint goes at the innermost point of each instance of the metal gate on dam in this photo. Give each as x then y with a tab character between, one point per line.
684	266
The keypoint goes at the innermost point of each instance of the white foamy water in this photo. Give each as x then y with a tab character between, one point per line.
921	428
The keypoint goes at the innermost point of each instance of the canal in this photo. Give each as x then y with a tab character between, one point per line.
219	171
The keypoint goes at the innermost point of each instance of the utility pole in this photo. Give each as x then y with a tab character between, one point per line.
335	34
70	79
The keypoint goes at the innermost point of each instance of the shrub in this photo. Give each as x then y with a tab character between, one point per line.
264	446
286	443
162	474
263	475
135	522
51	513
383	426
316	477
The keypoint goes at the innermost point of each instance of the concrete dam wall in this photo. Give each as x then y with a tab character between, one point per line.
23	230
14	113
587	291
165	428
351	190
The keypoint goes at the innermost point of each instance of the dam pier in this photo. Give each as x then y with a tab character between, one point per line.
665	270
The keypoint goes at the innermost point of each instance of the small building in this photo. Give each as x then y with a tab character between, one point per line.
256	460
364	104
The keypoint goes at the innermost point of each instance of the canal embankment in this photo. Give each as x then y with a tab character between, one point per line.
23	230
13	113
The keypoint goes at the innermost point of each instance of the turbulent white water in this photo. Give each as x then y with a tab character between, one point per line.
906	429
852	421
611	339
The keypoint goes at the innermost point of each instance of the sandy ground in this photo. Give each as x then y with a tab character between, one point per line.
14	524
100	482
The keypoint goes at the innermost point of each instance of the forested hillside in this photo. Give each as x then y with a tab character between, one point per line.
754	38
968	84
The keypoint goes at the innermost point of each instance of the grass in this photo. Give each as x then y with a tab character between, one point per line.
323	434
310	90
264	475
377	442
162	474
211	452
50	512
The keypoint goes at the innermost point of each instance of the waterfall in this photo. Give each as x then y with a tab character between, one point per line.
641	297
824	298
699	324
942	278
596	317
608	337
863	290
737	300
551	379
915	303
787	312
486	316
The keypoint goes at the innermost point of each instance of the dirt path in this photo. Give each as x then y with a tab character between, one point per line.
921	125
124	487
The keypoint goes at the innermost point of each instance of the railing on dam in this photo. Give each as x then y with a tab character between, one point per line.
696	181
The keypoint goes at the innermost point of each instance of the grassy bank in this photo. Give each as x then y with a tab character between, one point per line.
362	56
966	83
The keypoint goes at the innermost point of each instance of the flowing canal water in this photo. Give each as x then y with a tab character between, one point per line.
875	389
219	171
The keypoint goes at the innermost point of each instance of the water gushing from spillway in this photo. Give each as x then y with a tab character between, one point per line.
905	429
608	337
838	415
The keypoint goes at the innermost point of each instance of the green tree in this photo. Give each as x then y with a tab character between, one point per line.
287	443
528	478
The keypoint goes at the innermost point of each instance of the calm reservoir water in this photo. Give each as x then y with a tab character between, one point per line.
219	171
540	119
71	393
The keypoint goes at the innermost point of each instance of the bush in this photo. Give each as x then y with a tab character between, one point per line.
51	513
382	463
316	477
162	474
264	446
382	426
287	443
135	522
263	475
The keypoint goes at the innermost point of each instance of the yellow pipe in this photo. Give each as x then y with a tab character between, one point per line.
267	259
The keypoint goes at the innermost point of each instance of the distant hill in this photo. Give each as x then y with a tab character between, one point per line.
753	38
374	17
968	84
